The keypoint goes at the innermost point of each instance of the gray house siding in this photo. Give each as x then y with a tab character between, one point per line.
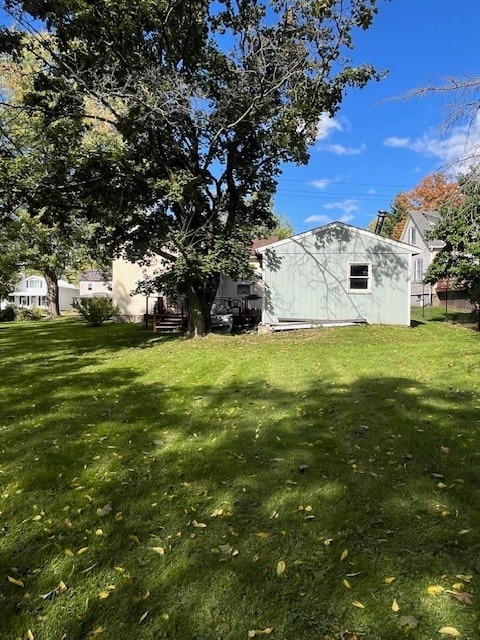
418	223
310	277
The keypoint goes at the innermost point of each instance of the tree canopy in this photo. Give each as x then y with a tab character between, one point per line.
209	98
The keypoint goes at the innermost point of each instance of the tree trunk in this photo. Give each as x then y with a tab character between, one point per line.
199	300
53	302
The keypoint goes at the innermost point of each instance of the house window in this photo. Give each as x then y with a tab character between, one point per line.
412	235
34	283
89	286
418	270
359	278
243	289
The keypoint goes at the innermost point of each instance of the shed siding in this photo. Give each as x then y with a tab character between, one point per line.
308	278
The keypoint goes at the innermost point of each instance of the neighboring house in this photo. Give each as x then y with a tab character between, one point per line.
94	283
415	232
337	273
31	291
233	296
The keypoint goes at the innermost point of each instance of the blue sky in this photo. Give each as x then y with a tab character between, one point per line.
377	146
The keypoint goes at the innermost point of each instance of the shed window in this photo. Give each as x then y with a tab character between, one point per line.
243	289
359	277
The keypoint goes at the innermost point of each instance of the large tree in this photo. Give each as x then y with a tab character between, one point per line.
209	98
459	229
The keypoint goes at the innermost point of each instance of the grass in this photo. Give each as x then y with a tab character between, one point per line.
152	487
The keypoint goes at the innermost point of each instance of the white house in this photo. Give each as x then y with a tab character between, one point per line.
335	274
233	296
31	291
94	283
415	232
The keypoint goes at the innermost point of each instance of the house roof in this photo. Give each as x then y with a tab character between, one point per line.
94	275
425	221
258	243
332	225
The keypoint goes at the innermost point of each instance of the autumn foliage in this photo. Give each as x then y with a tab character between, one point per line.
432	193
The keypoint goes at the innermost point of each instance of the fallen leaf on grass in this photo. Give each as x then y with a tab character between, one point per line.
159	550
103	595
262	535
19	583
96	632
30	635
395	606
462	596
358	604
409	622
389	580
280	567
344	555
104	511
449	631
260	632
134	538
346	584
463	577
81	551
144	615
435	590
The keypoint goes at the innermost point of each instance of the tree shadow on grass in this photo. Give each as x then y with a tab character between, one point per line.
165	509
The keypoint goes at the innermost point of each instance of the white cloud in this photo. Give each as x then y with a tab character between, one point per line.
326	125
320	184
372	192
347	206
340	150
460	147
322	219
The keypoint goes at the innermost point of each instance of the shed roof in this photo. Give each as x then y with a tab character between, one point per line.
342	225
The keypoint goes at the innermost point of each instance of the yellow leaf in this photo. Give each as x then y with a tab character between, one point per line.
457	586
260	632
30	635
19	583
460	576
69	553
118	516
395	606
449	631
389	580
346	584
280	568
37	518
103	595
358	604
262	535
159	550
344	554
81	551
199	525
134	538
435	590
328	542
97	631
165	616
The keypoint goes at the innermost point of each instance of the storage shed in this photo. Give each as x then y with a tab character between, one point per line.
337	273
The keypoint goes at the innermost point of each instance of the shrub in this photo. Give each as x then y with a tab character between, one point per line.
23	314
8	314
95	310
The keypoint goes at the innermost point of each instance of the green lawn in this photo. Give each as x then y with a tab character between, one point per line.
200	490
